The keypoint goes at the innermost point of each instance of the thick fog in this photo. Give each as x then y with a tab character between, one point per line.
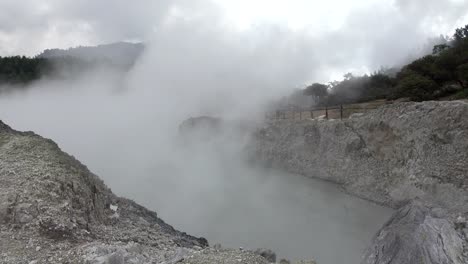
124	126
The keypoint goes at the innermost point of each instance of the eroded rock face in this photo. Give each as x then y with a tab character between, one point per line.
418	234
390	155
414	153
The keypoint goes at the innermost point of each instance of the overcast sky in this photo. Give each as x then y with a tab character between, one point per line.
368	33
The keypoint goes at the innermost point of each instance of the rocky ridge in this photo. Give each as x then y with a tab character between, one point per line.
54	210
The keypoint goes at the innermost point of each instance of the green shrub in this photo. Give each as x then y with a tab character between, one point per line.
416	87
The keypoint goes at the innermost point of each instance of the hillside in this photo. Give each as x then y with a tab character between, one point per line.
119	53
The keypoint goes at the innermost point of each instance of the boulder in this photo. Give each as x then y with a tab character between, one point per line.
268	254
416	234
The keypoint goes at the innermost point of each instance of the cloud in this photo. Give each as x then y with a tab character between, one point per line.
65	23
116	19
340	36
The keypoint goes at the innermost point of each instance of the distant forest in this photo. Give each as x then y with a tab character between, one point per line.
21	70
69	63
14	70
444	73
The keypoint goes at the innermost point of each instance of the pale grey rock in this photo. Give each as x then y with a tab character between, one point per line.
460	222
178	257
3	212
465	233
415	235
115	258
217	246
356	115
225	256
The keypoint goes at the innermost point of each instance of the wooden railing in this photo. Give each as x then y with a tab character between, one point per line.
326	112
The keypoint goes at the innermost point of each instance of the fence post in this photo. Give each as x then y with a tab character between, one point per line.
326	112
341	112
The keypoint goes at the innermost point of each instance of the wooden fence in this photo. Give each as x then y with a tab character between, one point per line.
326	112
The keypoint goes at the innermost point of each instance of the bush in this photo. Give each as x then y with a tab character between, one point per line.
463	94
416	87
462	74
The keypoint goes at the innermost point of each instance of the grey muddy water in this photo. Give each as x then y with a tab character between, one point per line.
297	217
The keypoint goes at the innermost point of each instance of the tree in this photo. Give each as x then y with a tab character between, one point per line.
461	33
317	90
423	66
462	74
379	86
417	87
348	76
20	69
444	67
439	48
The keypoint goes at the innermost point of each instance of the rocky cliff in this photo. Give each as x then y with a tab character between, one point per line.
413	155
54	210
390	155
